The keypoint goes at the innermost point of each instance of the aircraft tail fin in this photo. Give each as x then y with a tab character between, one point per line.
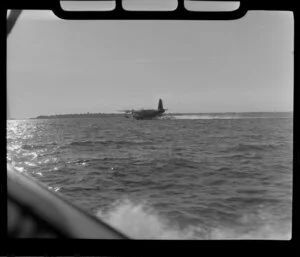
160	105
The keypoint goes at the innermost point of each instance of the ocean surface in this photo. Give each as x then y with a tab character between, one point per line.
193	176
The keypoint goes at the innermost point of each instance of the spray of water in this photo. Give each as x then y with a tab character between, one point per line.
141	221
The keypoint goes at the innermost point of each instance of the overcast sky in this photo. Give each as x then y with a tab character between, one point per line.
56	66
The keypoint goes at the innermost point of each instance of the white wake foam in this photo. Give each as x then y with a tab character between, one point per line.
200	117
141	221
215	117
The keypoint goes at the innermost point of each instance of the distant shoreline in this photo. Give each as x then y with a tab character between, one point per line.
100	115
84	115
106	115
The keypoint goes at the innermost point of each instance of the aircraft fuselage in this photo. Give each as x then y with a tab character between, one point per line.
147	114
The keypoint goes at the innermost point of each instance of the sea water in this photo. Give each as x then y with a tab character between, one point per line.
193	176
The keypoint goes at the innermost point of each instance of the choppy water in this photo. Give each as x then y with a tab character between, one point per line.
206	176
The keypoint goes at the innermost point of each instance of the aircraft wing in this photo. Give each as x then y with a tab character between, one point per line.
126	111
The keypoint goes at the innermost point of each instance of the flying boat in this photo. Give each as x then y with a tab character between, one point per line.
146	114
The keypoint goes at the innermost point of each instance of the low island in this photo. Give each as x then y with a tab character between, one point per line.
80	115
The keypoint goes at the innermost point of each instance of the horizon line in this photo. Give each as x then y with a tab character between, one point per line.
120	113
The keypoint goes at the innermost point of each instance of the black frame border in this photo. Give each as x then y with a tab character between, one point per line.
76	247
